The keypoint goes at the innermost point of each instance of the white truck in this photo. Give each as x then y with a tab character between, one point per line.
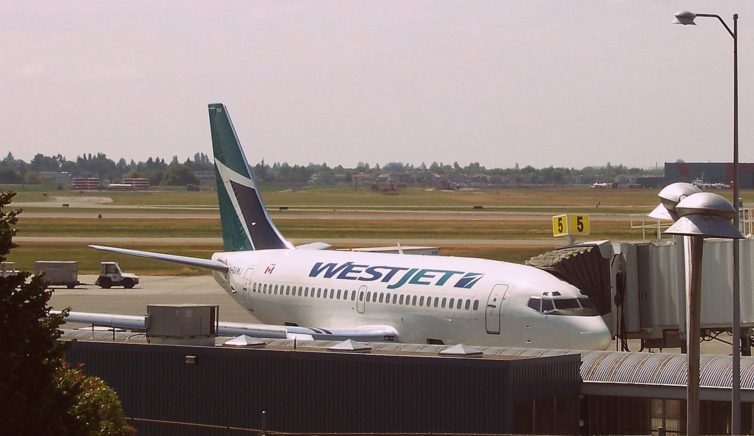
111	275
58	272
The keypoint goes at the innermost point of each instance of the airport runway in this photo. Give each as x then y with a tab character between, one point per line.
203	290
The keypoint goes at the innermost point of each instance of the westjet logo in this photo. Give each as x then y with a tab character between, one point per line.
394	275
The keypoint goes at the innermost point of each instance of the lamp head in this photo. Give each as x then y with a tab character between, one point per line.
705	214
670	196
685	18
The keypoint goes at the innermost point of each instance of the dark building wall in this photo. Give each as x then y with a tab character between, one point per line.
709	172
331	392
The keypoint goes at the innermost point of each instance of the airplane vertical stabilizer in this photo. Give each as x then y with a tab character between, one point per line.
245	222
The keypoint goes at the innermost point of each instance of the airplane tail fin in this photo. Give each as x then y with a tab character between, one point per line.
245	222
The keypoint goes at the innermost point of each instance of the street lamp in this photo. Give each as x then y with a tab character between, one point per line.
700	215
687	18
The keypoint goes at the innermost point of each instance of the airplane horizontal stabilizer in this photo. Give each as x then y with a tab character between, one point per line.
314	246
184	260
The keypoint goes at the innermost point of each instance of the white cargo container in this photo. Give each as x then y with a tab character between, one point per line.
58	272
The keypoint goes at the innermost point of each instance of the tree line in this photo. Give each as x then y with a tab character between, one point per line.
176	173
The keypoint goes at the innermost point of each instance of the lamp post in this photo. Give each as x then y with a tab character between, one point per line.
700	215
687	18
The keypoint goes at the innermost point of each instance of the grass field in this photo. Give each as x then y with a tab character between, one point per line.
167	214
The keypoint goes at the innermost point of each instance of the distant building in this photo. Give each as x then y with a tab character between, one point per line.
55	177
137	183
86	184
709	173
206	178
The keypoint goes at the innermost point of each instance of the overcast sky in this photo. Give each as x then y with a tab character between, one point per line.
548	82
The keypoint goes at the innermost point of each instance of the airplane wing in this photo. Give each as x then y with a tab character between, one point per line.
367	333
185	260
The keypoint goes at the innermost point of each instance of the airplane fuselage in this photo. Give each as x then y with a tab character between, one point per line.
439	299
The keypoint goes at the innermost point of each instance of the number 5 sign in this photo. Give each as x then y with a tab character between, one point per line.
567	224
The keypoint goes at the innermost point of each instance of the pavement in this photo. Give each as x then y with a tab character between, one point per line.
150	290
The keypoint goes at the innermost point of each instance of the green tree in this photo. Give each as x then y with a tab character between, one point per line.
40	393
179	175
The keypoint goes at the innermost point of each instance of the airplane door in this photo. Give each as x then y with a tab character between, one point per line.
494	312
361	300
246	288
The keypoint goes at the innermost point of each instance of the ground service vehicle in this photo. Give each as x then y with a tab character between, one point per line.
58	272
110	274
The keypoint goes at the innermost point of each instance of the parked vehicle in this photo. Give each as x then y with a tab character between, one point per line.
110	274
58	272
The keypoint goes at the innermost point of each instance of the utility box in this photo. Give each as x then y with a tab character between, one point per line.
58	272
8	269
183	324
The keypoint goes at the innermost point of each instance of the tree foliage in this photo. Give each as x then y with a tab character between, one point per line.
40	393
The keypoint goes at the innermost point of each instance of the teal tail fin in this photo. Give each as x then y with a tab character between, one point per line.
245	222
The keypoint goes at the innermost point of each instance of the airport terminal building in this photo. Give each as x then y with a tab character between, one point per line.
285	387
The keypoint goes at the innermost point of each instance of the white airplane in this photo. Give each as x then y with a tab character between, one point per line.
326	294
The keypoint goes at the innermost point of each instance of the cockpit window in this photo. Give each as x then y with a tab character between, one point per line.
535	303
550	304
586	303
566	303
547	305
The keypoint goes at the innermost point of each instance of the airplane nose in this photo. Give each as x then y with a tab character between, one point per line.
594	334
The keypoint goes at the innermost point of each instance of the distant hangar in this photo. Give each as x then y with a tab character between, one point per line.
709	172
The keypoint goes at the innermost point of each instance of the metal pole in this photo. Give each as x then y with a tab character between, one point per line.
735	416
693	315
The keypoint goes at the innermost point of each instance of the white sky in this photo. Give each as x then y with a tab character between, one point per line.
547	82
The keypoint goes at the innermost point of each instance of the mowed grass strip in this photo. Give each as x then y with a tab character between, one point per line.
89	259
316	228
119	227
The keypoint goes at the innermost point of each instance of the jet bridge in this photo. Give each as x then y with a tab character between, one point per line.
639	288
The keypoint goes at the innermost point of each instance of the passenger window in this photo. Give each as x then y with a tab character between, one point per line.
381	295
395	298
468	304
353	295
451	303
413	301
459	303
400	300
443	302
369	295
319	292
421	300
429	301
476	304
332	293
437	301
339	292
306	291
